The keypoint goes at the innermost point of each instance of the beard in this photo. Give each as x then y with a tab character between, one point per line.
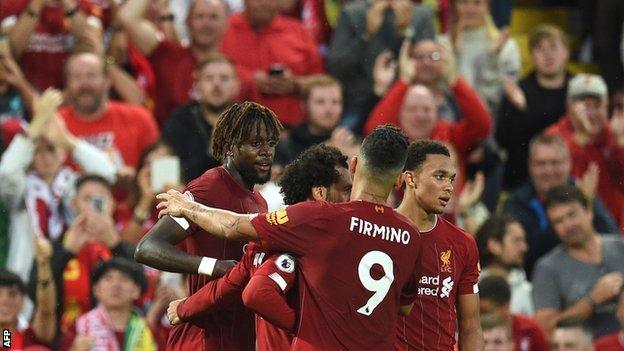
250	174
89	107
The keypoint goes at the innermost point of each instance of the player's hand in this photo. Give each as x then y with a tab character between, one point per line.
222	267
172	203
172	312
607	287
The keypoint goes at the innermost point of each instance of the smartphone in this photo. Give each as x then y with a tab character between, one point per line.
98	203
164	170
276	69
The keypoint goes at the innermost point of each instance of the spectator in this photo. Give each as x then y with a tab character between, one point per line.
91	238
495	296
535	103
206	23
113	324
322	96
278	52
571	335
417	110
189	129
16	93
580	278
502	246
486	57
615	341
169	287
496	333
365	30
549	166
41	330
38	198
142	215
593	138
43	33
120	129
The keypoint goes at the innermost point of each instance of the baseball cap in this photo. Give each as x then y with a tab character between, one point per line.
585	84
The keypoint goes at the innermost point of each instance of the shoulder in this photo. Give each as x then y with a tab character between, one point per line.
521	194
552	260
614	243
181	116
208	183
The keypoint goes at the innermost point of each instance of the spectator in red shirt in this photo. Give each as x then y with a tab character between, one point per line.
173	63
121	129
593	138
495	296
42	33
615	341
42	329
277	51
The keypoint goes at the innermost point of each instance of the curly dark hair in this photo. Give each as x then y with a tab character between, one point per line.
314	167
236	124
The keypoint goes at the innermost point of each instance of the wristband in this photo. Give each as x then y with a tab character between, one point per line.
207	265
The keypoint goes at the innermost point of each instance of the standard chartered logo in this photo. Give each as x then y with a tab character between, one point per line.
447	286
430	286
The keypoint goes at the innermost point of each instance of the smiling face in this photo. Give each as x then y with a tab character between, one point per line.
86	85
254	157
433	183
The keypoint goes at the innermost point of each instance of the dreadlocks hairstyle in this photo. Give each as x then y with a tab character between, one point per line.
314	167
238	122
384	151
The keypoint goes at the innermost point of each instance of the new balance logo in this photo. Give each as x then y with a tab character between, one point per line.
447	286
430	286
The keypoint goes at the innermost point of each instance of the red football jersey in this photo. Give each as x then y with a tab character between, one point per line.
354	261
450	266
611	342
527	334
123	131
230	328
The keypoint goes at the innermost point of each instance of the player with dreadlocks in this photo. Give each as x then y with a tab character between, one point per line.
244	141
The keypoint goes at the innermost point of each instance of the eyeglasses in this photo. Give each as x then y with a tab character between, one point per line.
433	56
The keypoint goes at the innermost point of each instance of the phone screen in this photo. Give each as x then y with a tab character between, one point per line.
164	170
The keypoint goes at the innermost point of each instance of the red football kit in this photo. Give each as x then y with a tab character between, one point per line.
355	261
230	328
450	267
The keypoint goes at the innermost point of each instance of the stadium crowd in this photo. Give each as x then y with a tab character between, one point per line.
254	105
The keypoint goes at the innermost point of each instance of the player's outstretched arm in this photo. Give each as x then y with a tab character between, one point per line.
157	249
220	223
470	333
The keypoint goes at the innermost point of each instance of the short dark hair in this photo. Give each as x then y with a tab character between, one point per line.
418	150
130	268
494	228
10	280
574	323
548	139
491	321
238	122
547	31
384	151
87	178
316	166
565	194
496	289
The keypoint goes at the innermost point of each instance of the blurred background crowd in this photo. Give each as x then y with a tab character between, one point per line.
105	103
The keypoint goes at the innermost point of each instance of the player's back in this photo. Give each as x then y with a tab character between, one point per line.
354	261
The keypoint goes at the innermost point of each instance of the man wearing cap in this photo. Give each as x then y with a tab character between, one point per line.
594	139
